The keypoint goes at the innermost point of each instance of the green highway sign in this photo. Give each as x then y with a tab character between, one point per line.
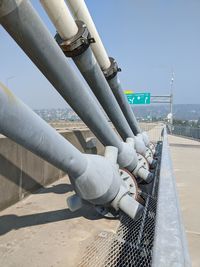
139	98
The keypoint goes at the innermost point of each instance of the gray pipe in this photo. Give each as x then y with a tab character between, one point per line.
21	21
92	73
95	179
78	47
22	125
116	88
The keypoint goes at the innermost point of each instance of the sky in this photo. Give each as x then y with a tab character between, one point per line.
148	38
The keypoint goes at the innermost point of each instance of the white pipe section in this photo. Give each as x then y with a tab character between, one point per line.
61	18
81	12
111	153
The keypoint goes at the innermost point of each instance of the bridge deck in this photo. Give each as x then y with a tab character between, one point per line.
41	231
186	163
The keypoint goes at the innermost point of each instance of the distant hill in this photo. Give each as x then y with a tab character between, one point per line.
181	111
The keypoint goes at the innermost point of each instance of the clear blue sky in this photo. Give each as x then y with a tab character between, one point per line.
147	37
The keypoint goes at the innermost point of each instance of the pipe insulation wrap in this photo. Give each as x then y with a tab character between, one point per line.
80	12
60	16
26	28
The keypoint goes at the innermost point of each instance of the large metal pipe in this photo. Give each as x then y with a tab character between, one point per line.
83	57
95	179
27	29
87	64
24	25
117	90
80	12
26	128
57	12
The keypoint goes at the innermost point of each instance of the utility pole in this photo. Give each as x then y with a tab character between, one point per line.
171	97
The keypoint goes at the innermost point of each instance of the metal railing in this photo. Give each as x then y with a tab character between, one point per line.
132	243
154	130
170	244
186	131
157	238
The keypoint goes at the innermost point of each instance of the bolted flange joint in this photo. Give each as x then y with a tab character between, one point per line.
147	142
110	72
77	44
142	170
153	148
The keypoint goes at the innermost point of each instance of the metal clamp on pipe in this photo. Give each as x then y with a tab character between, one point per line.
77	44
112	71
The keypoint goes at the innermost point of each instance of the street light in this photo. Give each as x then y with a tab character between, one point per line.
171	97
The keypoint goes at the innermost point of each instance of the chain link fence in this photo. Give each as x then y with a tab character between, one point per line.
154	130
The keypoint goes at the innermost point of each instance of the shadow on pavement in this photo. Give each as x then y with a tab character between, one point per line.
13	222
57	189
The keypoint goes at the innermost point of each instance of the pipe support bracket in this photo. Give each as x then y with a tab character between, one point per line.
112	71
76	45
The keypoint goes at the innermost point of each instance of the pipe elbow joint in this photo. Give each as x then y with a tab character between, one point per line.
140	145
145	138
100	182
127	158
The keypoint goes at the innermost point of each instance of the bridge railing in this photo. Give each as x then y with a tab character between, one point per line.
170	244
154	130
186	131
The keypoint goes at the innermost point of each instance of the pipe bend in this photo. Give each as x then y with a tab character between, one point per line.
127	157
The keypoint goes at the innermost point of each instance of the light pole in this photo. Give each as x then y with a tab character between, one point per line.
171	97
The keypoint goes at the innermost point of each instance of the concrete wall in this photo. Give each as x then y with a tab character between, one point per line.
21	172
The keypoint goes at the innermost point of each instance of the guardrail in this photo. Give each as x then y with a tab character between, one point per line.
155	239
154	130
170	244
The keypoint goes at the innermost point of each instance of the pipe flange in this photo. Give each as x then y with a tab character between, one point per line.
134	186
110	72
130	187
143	161
152	147
77	44
130	182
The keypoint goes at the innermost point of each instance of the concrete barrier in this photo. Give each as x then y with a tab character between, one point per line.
21	172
